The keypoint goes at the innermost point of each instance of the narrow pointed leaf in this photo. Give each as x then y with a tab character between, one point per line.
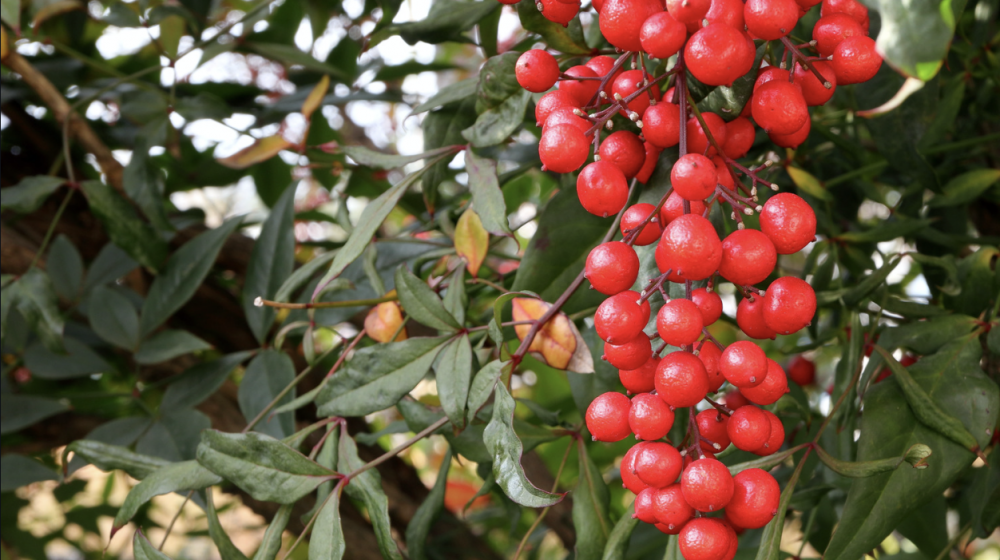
590	509
770	540
65	268
227	550
455	299
176	477
497	124
423	519
21	411
472	242
167	345
327	542
448	94
271	543
453	371
109	457
487	198
124	226
367	488
142	549
421	303
265	378
36	301
301	276
271	261
114	318
916	456
379	160
17	471
28	195
620	536
200	381
261	150
765	463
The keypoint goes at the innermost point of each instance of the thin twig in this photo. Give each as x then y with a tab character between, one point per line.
174	520
261	302
399	448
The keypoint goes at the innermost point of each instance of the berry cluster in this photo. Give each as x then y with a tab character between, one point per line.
680	485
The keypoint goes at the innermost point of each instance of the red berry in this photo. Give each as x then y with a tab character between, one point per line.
679	322
563	148
645	511
789	222
716	54
661	124
802	371
550	102
813	90
629	82
629	478
770	74
709	303
620	318
581	90
681	379
672	510
779	107
674	208
852	8
607	417
631	354
750	318
692	247
612	267
697	140
688	11
636	215
723	175
704	538
662	36
602	65
694	177
748	428
602	188
558	11
734	540
710	356
855	60
652	155
833	29
625	150
566	115
740	135
771	19
743	364
793	140
712	427
755	499
650	419
658	464
707	485
774	387
734	399
789	305
536	70
621	21
728	12
775	440
807	4
640	380
748	257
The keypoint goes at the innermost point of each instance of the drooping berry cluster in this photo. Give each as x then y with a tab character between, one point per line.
680	486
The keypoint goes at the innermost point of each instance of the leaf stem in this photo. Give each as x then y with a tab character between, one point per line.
173	521
52	229
261	302
312	520
399	448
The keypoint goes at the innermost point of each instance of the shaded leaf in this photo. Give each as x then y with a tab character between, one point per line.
472	242
267	376
35	298
111	264
487	198
271	261
21	411
885	231
176	477
728	101
453	372
200	381
421	303
327	542
367	488
455	299
142	549
966	187
808	184
17	471
65	267
167	345
482	386
448	94
108	457
124	226
445	22
419	527
590	509
290	55
916	455
227	550
497	81
379	160
113	318
620	536
770	539
870	283
497	124
271	543
175	434
301	276
28	195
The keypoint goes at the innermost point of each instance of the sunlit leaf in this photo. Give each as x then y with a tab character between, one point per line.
471	241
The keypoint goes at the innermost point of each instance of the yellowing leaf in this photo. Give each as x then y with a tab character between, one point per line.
4	48
55	9
556	341
807	183
261	150
383	321
471	241
315	98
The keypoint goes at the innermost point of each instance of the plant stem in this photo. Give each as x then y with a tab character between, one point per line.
399	448
721	408
52	229
174	520
541	516
261	302
804	60
312	520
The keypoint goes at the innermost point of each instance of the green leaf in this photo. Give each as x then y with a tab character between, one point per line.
378	376
567	39
453	372
367	488
111	264
482	386
327	542
497	124
770	539
264	467
497	81
916	455
28	195
980	496
184	272
966	187
620	536
979	281
266	376
455	299
17	471
421	303
21	411
109	457
227	550
448	94
167	345
590	509
885	231
78	361
922	337
142	549
119	432
419	527
301	276
927	527
10	13
728	101
445	22
444	128
379	160
113	318
487	198
808	184
290	55
196	384
203	105
144	182
36	301
271	543
125	228
176	477
915	37
764	463
468	443
271	262
869	283
875	505
503	443
65	267
175	434
487	32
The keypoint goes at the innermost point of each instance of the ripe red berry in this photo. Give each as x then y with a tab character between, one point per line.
662	36
681	379
566	115
607	417
629	478
710	356
652	156
852	8
563	148
855	60
688	11
775	440
734	399
581	90
536	70
602	188
793	140
743	364
629	82
691	247
755	499
802	371
728	12
620	318
634	216
661	124
712	428
813	90
774	387
625	150
750	319
621	21
770	74
697	140
640	380
723	175
679	322
643	505
672	510
558	11
749	428
789	305
789	222
716	54
704	538
779	107
629	355
612	267
748	257
771	19
550	102
658	464
707	484
833	29
709	303
674	208
694	177
740	135
734	540
602	65
650	419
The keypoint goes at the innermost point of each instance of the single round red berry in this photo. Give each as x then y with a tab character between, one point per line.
625	150
728	12
612	267
833	29
774	387
709	303
716	54
770	74
802	371
629	82
710	355
855	60
681	379
697	140
779	107
789	221
662	36
755	499
775	440
712	428
734	399
694	177
629	355
558	11
743	364
852	8
679	322
749	428
602	65
793	140
607	417
563	148
707	484
650	419
536	70
674	208
550	102
643	505
636	215
621	318
661	124
740	134
748	257
640	380
566	115
734	540
652	156
629	478
789	305
692	247
750	318
658	464
771	19
602	188
672	510
813	90
704	538
621	21
581	90
688	11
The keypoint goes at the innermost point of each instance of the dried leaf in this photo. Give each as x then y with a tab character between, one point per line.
471	241
383	321
261	150
315	98
556	341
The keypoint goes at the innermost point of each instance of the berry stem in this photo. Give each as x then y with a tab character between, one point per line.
683	96
595	100
695	433
652	286
805	61
720	407
708	336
